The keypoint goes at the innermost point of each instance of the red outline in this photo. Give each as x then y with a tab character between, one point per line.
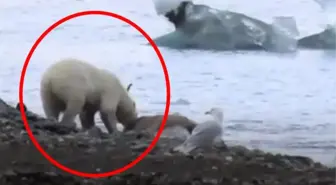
24	118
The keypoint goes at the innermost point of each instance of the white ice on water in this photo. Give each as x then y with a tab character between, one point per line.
212	28
328	7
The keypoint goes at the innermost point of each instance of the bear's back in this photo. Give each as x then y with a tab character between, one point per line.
68	69
72	76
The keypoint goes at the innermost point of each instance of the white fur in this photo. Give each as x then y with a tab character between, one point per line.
70	84
164	6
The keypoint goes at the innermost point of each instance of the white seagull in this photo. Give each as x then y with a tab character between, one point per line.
204	134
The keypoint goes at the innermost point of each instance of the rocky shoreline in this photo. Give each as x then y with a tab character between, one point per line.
95	152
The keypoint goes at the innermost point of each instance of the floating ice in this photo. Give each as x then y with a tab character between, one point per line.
201	27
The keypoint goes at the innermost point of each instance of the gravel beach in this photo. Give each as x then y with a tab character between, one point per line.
95	152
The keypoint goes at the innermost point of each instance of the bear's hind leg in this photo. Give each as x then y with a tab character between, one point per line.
73	107
51	112
87	118
51	107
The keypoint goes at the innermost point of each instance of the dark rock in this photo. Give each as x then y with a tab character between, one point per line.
18	107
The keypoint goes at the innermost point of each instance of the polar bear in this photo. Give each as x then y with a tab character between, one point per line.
73	86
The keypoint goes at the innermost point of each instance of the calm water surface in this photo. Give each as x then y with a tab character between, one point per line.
281	103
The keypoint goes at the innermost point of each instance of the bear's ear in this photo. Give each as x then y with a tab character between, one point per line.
129	87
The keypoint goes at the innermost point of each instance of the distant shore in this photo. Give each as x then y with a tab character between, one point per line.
21	163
